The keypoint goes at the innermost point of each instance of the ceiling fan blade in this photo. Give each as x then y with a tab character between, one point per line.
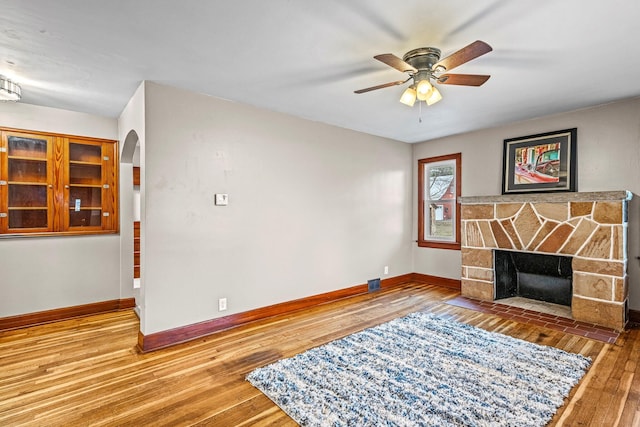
382	86
466	54
393	61
463	79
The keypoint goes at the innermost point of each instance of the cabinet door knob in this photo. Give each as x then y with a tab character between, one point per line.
50	186
66	186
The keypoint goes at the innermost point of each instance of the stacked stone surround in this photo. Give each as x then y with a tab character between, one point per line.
590	227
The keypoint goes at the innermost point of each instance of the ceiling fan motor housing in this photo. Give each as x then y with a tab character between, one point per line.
422	58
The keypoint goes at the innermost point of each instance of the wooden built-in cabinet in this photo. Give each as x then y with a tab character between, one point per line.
52	184
136	249
136	229
136	176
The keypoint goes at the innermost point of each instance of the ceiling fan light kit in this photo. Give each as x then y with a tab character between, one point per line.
423	89
434	97
424	64
9	90
409	96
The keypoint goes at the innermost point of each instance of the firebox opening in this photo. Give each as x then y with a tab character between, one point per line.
535	276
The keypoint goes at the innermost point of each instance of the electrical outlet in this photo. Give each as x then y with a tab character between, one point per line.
222	304
386	269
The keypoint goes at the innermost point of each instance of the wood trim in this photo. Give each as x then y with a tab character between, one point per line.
136	175
435	280
40	317
421	220
396	280
126	303
110	170
63	135
58	177
57	233
439	245
634	316
186	333
136	249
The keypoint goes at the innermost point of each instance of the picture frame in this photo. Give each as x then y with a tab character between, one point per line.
545	162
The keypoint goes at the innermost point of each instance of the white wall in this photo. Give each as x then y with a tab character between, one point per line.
608	154
312	208
43	273
131	131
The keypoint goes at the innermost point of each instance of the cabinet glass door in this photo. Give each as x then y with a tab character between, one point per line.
28	183
85	185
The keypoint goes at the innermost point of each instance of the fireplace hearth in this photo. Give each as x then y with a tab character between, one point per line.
590	229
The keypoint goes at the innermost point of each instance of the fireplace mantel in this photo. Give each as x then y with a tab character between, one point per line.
591	227
549	197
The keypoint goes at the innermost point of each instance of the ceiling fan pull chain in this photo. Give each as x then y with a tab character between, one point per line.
419	112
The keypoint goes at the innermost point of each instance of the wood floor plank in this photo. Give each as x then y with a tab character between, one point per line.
87	371
631	405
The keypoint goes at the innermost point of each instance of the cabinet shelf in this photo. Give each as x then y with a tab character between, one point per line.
27	208
27	158
86	185
78	162
26	183
27	170
79	152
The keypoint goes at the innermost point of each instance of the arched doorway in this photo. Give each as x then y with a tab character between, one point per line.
130	242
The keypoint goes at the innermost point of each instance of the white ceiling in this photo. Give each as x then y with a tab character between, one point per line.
306	57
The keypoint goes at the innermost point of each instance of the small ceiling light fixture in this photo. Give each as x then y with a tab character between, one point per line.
9	90
434	96
424	89
409	96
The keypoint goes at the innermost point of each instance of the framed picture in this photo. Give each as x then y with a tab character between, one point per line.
540	163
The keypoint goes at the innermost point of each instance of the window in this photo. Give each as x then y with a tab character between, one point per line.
438	207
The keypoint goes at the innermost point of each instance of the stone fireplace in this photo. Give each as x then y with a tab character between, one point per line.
589	227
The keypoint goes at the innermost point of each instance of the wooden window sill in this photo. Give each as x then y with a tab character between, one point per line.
439	245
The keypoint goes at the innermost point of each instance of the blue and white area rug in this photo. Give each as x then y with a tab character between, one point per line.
422	370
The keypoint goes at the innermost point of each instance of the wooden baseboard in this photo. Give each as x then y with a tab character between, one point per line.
40	317
183	334
435	280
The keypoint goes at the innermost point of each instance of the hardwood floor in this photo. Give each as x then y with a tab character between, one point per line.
87	372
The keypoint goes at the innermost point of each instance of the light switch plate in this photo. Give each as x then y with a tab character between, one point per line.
222	199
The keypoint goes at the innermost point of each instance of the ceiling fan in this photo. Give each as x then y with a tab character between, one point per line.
424	64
